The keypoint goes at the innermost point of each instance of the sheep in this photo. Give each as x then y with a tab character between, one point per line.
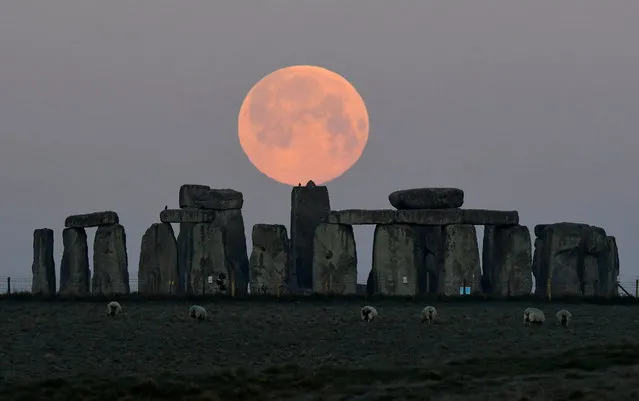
113	308
429	314
368	313
533	315
197	312
563	317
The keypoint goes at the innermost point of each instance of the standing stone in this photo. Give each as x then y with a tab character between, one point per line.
74	268
563	257
310	206
110	261
398	255
185	257
608	264
209	260
269	261
43	267
334	260
506	256
427	198
431	277
540	268
590	276
594	239
461	259
593	243
570	257
232	224
158	266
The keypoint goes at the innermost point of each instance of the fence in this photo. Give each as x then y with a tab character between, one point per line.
210	286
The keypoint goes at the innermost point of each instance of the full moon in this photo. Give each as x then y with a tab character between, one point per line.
303	123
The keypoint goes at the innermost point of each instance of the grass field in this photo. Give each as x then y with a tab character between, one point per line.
315	351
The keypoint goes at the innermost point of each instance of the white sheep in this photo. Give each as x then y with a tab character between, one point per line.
197	312
563	317
368	313
113	308
534	316
429	314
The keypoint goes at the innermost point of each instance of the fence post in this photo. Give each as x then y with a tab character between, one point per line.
549	289
8	285
637	288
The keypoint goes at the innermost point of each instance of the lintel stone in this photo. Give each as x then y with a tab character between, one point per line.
187	216
426	217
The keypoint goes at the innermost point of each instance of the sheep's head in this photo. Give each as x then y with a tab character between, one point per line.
112	310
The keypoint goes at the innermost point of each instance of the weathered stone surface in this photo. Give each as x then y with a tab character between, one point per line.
269	261
481	217
540	230
427	198
232	223
185	256
74	268
570	255
398	255
563	254
427	217
507	264
43	266
158	265
110	261
188	193
92	219
594	240
187	216
431	277
608	266
540	268
461	259
334	260
590	276
209	260
310	205
219	199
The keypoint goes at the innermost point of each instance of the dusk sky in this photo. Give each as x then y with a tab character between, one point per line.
112	105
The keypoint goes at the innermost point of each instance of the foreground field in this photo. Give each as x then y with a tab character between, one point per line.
309	351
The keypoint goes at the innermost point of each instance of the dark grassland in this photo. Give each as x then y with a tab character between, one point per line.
315	351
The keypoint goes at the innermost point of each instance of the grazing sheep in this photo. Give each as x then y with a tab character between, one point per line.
197	312
534	316
368	313
429	314
113	308
563	317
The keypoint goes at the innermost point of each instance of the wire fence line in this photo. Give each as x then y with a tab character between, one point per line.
628	286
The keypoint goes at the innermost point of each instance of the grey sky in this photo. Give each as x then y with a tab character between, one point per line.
526	105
